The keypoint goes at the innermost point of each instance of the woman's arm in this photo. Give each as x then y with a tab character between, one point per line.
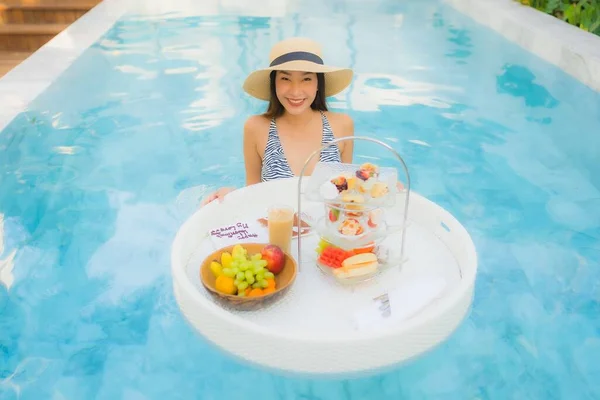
252	159
348	145
343	126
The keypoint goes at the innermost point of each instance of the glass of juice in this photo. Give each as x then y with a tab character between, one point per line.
280	223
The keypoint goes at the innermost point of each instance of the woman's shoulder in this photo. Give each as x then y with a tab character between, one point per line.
256	122
342	124
256	127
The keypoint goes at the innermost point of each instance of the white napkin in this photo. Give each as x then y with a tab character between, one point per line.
250	231
405	301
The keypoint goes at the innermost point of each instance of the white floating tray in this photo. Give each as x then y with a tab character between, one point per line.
311	329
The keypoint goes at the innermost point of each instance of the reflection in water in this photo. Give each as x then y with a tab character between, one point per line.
140	72
518	81
419	142
67	150
372	91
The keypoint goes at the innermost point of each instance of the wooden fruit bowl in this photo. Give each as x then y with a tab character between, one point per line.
283	280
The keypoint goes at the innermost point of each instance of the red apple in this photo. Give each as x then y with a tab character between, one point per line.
274	257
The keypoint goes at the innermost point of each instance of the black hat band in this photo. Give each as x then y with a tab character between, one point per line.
297	56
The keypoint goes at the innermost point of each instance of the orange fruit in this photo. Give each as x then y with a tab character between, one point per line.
268	290
271	283
256	292
225	284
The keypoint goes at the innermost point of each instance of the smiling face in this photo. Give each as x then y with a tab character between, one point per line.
296	90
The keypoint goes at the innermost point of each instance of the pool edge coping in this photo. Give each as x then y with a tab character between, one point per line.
26	81
573	50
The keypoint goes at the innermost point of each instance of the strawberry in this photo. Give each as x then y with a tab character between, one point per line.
363	174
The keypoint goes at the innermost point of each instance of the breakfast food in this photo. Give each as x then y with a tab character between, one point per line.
333	214
304	226
364	181
379	189
329	190
239	274
375	218
355	198
353	204
274	257
367	171
341	183
357	265
347	263
351	227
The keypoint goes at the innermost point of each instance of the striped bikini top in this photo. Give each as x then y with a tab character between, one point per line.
275	165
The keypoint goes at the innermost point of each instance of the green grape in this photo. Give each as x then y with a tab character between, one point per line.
228	272
262	263
234	264
256	257
244	266
236	283
261	275
264	283
241	294
235	270
249	277
257	270
242	286
269	275
256	285
240	276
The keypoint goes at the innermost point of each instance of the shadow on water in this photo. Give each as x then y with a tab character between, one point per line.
518	81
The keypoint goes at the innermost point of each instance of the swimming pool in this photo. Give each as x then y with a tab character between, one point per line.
100	170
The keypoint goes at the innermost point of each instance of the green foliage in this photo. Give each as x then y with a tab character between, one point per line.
584	14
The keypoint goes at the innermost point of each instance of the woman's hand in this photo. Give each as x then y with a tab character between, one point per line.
218	194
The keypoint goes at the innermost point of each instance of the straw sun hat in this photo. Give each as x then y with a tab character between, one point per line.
297	54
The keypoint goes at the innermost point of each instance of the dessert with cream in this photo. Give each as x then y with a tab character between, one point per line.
351	227
353	204
364	181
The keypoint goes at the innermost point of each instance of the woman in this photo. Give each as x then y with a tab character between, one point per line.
297	122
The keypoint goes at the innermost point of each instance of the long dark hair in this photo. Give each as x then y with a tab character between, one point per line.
276	109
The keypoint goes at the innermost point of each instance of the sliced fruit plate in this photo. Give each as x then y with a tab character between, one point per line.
356	264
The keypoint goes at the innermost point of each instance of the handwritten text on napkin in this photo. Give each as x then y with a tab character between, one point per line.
238	232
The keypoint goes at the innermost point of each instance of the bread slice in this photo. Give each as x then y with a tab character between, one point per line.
359	264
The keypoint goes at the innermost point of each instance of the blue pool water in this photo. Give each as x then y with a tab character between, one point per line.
103	167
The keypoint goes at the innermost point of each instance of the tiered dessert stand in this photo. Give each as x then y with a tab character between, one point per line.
329	323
